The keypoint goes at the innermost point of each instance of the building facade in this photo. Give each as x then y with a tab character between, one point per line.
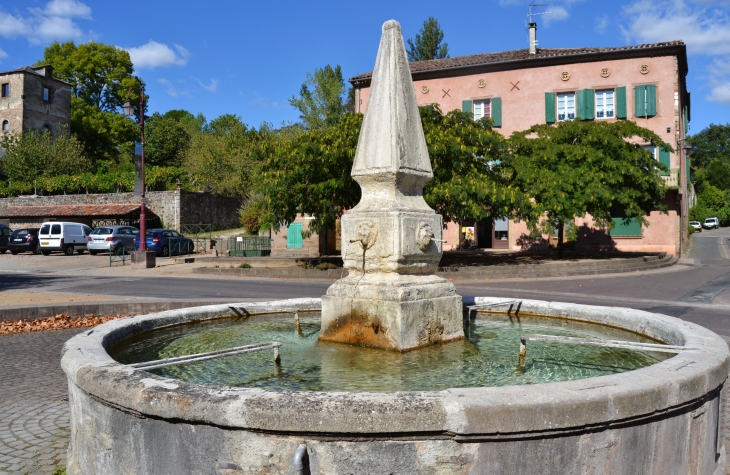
31	98
521	88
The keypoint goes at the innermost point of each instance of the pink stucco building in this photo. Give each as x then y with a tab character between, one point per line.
520	88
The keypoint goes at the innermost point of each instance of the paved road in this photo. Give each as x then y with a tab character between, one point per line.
34	412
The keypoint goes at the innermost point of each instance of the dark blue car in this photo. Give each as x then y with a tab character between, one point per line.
166	242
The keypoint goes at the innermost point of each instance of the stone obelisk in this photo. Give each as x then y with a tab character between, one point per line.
391	241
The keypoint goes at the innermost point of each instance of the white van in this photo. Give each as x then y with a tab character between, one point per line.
64	237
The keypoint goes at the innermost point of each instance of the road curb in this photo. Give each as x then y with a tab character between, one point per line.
541	269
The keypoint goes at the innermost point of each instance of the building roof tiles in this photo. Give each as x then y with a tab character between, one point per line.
97	210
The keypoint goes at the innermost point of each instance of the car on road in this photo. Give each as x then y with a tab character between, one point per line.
116	238
166	242
711	223
24	240
5	233
63	236
696	225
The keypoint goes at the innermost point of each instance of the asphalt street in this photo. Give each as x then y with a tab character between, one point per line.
697	289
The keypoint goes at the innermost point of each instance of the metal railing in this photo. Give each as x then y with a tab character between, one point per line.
672	180
249	246
179	360
180	247
201	234
118	254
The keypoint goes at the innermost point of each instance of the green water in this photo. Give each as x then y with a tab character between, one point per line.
487	357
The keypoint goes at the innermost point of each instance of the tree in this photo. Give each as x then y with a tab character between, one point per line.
587	167
321	99
427	44
100	74
712	143
165	140
33	155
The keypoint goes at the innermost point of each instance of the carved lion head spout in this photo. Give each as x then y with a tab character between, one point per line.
424	236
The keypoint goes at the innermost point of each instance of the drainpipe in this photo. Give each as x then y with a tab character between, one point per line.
298	461
533	38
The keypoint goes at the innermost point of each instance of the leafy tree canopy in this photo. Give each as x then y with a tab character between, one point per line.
165	140
321	100
427	44
33	155
105	136
100	74
712	143
587	167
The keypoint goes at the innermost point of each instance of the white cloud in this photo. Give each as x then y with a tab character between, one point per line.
720	94
157	55
212	87
704	32
171	89
3	55
54	22
556	13
601	24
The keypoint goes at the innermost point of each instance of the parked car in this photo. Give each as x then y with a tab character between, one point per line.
5	233
24	240
711	223
115	238
166	242
696	225
64	237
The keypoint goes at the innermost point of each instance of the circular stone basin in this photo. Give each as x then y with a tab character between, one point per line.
489	356
662	418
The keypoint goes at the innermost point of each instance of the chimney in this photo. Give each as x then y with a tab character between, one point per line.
533	38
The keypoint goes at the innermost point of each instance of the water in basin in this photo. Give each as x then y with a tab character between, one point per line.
487	357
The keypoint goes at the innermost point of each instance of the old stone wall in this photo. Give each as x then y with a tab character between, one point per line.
53	114
172	208
11	107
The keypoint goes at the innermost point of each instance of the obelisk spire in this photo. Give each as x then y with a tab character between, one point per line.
391	140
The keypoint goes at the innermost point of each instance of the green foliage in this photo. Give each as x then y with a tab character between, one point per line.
100	74
587	167
244	265
326	266
321	99
712	143
470	180
166	140
105	136
252	213
717	173
310	173
427	44
59	471
157	179
36	154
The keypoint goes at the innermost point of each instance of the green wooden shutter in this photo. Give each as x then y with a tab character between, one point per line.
497	111
466	106
550	107
650	100
294	236
639	104
586	104
685	119
621	102
664	158
628	228
687	170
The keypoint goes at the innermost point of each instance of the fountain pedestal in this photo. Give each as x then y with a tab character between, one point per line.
391	241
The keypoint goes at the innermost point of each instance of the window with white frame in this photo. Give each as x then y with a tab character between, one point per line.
604	104
652	150
566	106
482	109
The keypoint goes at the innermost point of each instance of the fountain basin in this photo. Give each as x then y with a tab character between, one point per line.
665	418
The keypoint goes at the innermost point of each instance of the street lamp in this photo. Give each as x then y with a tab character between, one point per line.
128	110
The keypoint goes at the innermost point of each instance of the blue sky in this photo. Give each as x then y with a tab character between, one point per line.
249	58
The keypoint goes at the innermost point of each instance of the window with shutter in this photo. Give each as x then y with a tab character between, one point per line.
586	100
645	100
497	111
482	109
550	107
604	104
664	159
566	106
621	103
466	106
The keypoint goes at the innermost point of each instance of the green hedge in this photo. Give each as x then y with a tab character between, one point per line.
156	179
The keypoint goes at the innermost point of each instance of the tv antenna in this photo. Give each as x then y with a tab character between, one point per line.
532	14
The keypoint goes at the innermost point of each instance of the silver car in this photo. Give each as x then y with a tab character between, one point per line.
106	238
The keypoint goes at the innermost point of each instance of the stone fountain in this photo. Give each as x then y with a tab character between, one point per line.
666	418
391	241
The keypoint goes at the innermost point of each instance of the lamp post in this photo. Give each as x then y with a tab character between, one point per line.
128	109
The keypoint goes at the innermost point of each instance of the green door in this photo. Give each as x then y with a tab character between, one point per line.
294	236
